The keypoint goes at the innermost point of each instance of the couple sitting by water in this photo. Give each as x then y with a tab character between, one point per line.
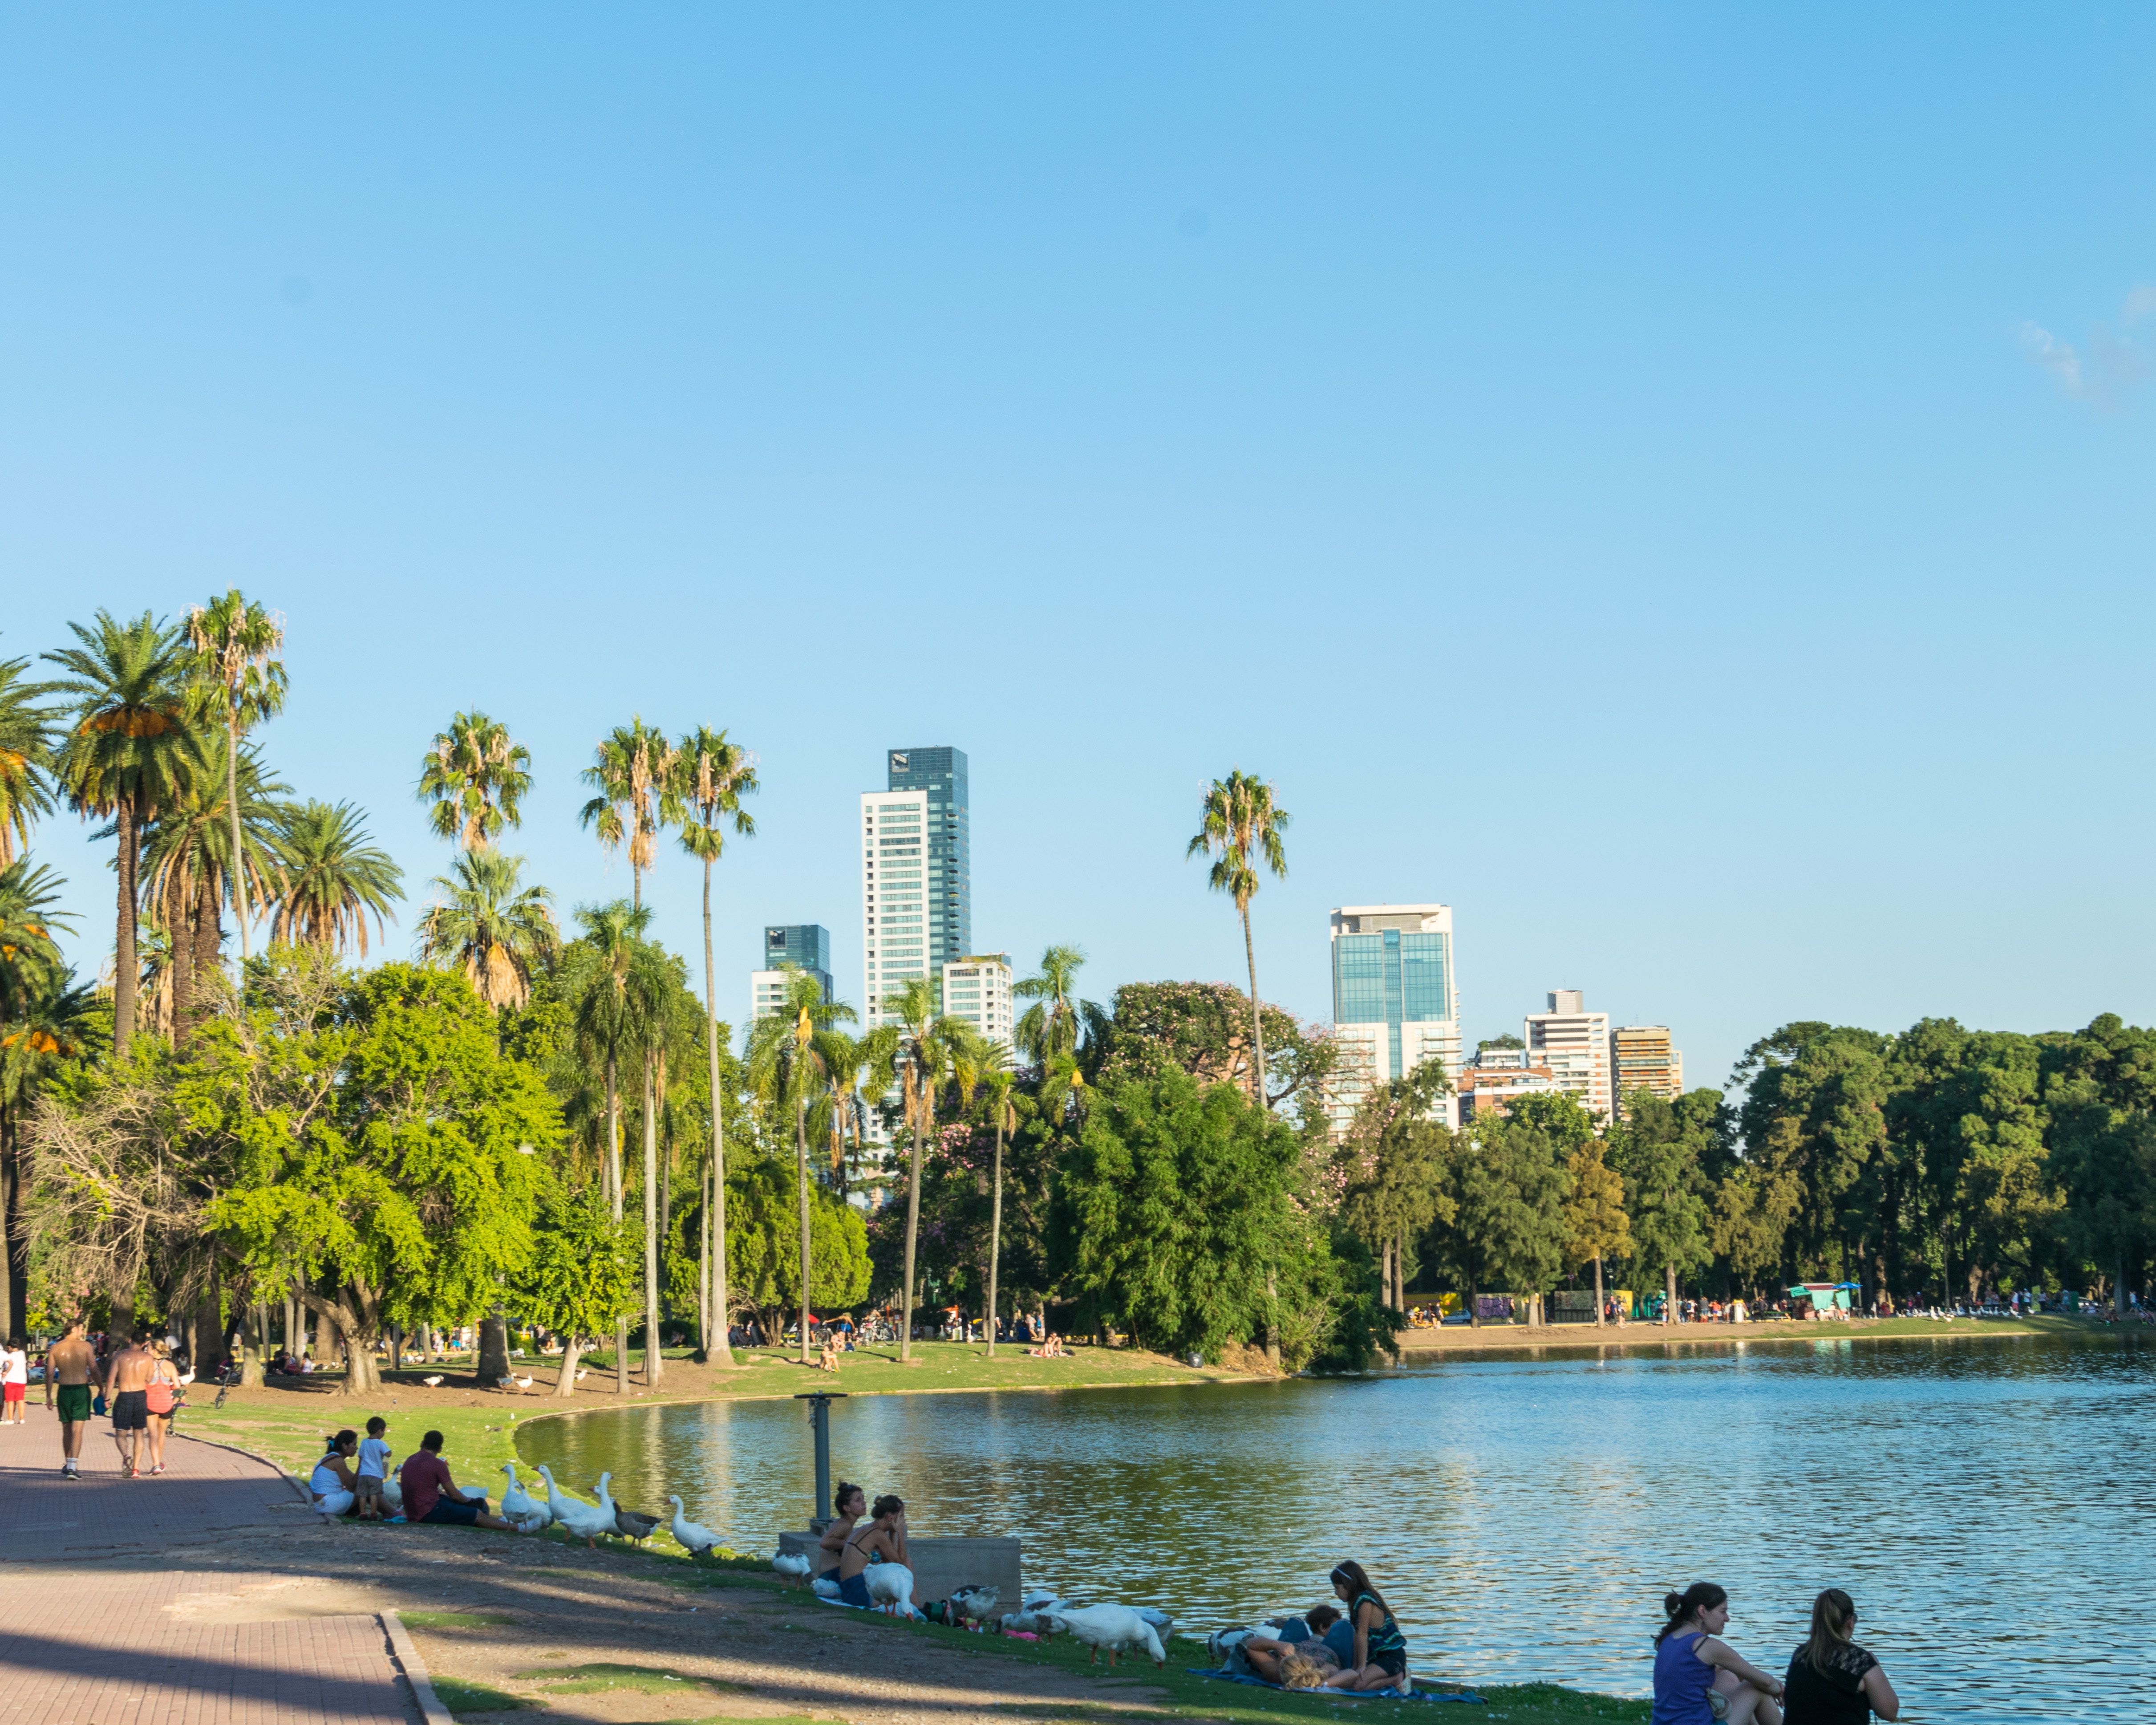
1361	1650
861	1535
1700	1679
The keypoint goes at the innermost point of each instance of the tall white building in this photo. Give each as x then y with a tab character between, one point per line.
916	873
1395	1001
979	990
1574	1044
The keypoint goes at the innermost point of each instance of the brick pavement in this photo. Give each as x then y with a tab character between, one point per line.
103	1621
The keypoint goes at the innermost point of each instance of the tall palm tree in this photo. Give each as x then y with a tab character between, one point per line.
926	1041
498	932
633	772
998	1084
607	1026
648	986
474	776
1050	1026
712	775
26	757
239	681
786	1071
128	752
1241	831
330	875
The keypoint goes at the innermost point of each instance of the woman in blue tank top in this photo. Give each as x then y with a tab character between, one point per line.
1700	1679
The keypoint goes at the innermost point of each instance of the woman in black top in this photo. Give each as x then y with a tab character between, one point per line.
1832	1680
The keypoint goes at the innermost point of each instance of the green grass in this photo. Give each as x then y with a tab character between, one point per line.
601	1678
460	1696
454	1619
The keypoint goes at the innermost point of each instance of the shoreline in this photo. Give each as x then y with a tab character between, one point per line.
1430	1344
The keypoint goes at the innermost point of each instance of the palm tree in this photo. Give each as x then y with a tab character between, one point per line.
1241	831
26	757
605	1022
634	774
497	932
711	777
329	876
130	751
999	1080
785	1067
238	681
474	776
926	1041
1049	1027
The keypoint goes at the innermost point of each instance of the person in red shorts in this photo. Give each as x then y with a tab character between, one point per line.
430	1495
14	1384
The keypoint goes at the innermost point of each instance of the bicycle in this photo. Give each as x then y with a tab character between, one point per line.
227	1379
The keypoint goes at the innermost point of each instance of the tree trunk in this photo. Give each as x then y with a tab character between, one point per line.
2118	1287
209	1331
1669	1298
397	1348
180	964
652	1363
491	1356
566	1385
126	967
614	1178
801	1175
717	1341
206	929
912	1229
254	1346
14	1319
995	1229
240	908
1257	1026
1598	1291
1474	1306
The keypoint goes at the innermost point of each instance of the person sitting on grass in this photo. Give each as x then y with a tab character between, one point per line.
884	1536
335	1490
1379	1658
1699	1677
1309	1637
430	1495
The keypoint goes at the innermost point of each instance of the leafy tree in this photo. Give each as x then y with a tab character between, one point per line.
475	777
1507	1183
636	773
1050	1026
580	1280
1595	1225
1663	1151
43	1022
1815	1109
765	1269
2102	1097
129	751
1507	1040
329	876
1240	829
238	681
498	932
26	757
1204	1029
1393	1158
927	1040
713	775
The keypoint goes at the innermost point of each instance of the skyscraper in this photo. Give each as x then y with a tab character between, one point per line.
1641	1058
916	873
1396	1000
806	946
977	988
1574	1044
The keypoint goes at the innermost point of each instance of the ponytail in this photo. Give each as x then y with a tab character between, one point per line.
1683	1608
1833	1613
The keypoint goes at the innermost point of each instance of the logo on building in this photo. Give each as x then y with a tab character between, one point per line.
897	761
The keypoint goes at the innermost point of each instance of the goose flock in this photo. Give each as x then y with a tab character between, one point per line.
1102	1626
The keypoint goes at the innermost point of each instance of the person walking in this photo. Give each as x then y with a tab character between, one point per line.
1700	1678
68	1364
161	1399
1832	1680
14	1384
127	1389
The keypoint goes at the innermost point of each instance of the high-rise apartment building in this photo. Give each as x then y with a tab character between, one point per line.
977	988
1574	1044
805	946
1497	1077
916	873
1396	1000
1641	1059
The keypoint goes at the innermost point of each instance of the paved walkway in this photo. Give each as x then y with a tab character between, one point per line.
104	1622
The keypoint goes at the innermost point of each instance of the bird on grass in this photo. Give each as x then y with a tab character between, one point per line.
794	1565
696	1541
582	1520
520	1506
975	1604
433	1381
891	1589
1117	1628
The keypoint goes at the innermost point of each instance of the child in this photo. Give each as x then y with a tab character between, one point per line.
373	1469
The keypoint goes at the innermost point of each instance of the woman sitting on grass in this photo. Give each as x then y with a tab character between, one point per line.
1700	1678
884	1536
1380	1659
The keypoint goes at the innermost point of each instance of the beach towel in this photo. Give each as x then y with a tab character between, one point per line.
1420	1693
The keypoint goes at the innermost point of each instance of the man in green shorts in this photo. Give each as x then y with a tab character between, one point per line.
68	1366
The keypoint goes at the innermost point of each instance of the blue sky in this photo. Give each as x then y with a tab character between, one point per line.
1670	482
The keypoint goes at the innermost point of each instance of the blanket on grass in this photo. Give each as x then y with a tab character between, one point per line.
1420	1693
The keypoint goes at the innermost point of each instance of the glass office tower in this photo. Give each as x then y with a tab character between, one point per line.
1395	998
805	946
916	873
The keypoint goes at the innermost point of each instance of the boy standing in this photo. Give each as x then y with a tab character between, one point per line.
374	1468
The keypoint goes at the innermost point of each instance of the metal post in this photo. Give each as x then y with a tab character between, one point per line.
819	1416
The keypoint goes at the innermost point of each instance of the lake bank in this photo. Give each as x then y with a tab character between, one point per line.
1467	1338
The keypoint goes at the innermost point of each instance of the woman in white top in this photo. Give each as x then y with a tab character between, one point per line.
332	1482
14	1386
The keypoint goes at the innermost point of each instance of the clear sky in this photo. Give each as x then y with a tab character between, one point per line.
1671	482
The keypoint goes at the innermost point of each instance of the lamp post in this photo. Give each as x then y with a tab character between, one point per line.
819	1416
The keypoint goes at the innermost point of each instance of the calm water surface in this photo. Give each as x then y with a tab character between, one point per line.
1988	1503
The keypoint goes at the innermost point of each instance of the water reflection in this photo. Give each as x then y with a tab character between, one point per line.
1979	1497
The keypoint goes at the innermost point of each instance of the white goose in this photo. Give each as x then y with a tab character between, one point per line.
520	1506
794	1565
891	1589
691	1539
1117	1628
582	1520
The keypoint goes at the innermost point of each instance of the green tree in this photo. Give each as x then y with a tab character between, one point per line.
1003	1116
1392	1159
1664	1151
763	1246
713	775
26	757
608	1027
41	1024
2102	1097
1815	1109
1595	1225
473	779
129	751
1240	829
636	771
1205	1028
1050	1026
238	681
497	931
927	1039
1507	1180
580	1280
330	875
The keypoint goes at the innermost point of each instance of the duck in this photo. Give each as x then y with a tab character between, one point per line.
794	1565
696	1541
891	1589
628	1523
975	1604
518	1505
826	1587
582	1520
521	1382
433	1380
1117	1628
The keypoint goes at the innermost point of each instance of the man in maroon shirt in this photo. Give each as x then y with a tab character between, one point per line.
431	1496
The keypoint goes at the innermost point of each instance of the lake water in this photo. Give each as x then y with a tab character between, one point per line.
1987	1501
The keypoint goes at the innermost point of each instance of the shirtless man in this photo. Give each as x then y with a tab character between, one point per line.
68	1364
127	1388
